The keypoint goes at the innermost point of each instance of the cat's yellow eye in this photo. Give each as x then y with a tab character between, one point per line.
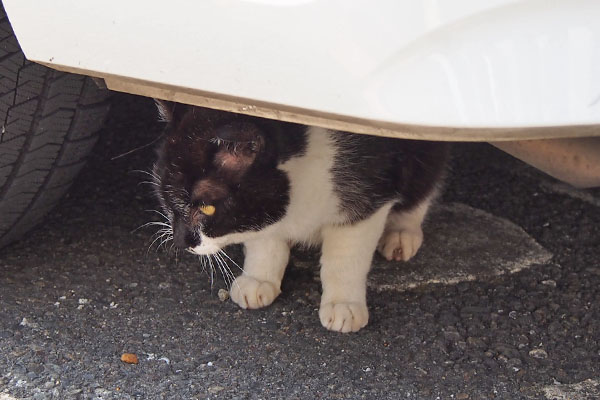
208	210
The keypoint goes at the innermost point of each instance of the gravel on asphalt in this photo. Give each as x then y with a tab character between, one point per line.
86	287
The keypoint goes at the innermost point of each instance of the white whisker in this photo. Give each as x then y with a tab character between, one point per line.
220	266
229	278
151	223
226	267
165	240
160	213
212	271
229	258
158	237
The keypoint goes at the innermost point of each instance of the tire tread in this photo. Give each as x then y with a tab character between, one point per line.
50	122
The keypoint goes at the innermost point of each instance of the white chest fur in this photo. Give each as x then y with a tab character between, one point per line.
313	201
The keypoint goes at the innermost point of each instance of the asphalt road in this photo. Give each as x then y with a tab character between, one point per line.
85	288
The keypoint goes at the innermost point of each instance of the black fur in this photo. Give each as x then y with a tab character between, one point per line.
248	196
230	161
370	171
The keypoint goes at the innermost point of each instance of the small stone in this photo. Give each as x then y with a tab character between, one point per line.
452	336
26	323
475	342
538	353
164	285
129	358
513	314
549	282
514	363
102	393
215	389
490	363
462	396
35	367
506	349
539	315
223	294
93	260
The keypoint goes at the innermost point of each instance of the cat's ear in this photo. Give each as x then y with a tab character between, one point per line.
169	111
165	109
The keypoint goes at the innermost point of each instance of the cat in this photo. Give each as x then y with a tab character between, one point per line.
224	178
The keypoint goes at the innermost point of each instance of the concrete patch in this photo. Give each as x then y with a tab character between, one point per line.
461	244
586	390
580	194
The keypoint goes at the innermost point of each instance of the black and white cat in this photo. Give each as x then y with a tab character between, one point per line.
225	178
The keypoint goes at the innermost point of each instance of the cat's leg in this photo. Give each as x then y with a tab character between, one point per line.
403	235
346	258
264	266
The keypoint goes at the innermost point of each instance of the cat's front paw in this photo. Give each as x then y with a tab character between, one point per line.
400	245
344	317
248	292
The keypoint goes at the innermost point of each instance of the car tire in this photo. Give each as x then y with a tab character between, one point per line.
49	124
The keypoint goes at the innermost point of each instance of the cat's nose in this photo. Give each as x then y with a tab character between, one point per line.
184	238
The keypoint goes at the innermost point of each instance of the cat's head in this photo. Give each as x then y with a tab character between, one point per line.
216	176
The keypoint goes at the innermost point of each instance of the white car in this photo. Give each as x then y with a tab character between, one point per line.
523	74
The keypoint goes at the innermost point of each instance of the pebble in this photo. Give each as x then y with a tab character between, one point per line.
538	353
93	260
451	335
215	389
35	367
223	294
462	396
514	362
475	342
506	349
129	358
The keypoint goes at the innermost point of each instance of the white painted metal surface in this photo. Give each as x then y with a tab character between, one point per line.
459	63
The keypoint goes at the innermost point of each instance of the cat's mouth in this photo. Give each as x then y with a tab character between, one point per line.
205	248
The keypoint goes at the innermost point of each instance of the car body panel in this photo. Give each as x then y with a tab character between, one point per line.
460	70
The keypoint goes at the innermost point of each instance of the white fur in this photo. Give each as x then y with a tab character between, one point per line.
346	258
313	202
403	235
313	217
